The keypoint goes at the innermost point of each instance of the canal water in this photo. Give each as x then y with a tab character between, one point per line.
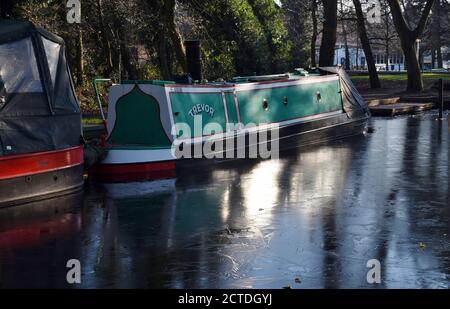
312	219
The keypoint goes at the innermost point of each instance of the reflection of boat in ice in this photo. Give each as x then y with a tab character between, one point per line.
138	189
40	124
39	222
256	213
142	117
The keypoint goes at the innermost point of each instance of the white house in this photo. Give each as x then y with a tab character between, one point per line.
358	58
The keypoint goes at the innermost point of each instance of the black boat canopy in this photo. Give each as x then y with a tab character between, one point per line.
38	108
354	103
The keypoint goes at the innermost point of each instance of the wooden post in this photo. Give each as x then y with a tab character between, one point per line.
441	99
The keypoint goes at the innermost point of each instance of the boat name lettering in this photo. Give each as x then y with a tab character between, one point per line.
200	108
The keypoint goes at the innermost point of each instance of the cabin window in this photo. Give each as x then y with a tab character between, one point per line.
363	61
52	52
18	68
2	93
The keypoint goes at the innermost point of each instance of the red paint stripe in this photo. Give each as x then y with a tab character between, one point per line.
41	162
251	87
194	92
198	86
134	172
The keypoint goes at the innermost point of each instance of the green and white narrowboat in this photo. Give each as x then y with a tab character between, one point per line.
144	139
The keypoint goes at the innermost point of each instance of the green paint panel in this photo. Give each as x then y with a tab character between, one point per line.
302	102
198	104
231	107
138	121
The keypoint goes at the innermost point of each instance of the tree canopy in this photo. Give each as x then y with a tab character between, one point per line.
143	39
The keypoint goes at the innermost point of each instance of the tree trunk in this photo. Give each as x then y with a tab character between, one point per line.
408	39
125	54
107	53
267	34
163	60
328	44
314	33
387	36
344	33
373	74
127	63
168	32
437	29
387	55
180	51
80	59
439	58
413	66
433	59
174	34
347	56
421	59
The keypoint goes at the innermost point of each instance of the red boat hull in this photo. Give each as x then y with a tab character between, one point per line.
30	177
134	172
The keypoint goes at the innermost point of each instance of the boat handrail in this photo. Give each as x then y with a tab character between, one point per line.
97	94
261	78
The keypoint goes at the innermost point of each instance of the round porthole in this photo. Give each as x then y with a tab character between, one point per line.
318	96
265	105
285	101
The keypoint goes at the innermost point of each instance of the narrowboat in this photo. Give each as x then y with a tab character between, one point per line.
41	147
147	121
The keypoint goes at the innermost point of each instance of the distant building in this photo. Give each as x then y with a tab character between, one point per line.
394	62
427	60
358	59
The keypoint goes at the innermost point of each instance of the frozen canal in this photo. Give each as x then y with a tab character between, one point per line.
312	219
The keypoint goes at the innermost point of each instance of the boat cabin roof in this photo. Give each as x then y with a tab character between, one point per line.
38	107
297	74
13	30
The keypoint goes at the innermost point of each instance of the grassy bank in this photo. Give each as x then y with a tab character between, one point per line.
427	77
92	121
398	81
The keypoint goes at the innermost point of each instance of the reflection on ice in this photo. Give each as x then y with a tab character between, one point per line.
138	189
319	214
261	187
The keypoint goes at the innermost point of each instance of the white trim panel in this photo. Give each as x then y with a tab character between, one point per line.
130	156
